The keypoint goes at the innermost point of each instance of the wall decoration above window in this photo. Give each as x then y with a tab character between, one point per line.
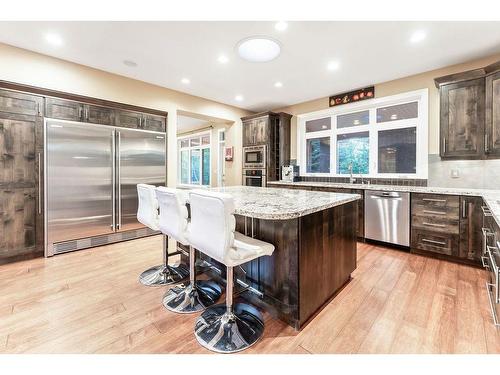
352	96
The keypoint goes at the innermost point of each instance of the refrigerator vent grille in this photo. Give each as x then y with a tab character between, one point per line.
85	243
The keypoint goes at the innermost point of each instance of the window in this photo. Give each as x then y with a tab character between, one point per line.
382	137
194	159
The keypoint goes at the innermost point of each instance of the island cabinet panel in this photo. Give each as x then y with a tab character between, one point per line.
327	256
21	145
462	110
492	135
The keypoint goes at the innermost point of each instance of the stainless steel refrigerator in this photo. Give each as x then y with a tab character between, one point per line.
91	173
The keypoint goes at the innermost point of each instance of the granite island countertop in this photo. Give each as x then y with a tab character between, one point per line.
282	204
491	197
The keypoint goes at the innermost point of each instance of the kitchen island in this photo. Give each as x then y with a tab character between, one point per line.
314	234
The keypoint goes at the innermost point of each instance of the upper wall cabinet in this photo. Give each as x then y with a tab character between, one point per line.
492	136
462	119
470	114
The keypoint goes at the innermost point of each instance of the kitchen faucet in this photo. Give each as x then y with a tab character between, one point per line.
351	179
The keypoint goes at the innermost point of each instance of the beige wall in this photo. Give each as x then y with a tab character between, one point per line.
415	82
22	66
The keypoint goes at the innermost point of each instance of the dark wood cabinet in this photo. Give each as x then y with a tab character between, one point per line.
154	123
462	111
64	109
471	222
99	115
256	131
21	205
492	116
128	119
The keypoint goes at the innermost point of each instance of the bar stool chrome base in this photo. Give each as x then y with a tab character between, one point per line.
223	331
185	299
164	275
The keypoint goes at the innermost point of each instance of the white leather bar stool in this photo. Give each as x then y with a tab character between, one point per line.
147	214
195	295
224	328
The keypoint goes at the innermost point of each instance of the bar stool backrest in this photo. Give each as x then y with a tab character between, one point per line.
173	213
212	223
147	210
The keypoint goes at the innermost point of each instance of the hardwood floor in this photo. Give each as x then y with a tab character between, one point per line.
91	302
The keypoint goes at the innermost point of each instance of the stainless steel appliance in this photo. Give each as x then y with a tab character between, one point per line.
254	177
254	157
290	173
91	176
387	217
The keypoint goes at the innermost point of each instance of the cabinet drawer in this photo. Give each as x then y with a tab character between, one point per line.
441	243
435	224
436	205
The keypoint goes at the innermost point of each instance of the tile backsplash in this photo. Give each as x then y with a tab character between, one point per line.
474	174
375	181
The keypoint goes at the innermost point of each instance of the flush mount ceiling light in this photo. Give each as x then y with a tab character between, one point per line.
258	49
186	81
418	36
130	63
281	26
238	98
278	84
54	39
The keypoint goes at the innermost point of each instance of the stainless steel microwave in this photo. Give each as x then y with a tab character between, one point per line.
254	156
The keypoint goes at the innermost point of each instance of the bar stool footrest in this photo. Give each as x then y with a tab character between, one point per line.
185	299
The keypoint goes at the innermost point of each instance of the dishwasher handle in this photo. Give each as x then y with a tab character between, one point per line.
385	195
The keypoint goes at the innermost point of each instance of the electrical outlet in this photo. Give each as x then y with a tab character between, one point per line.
455	173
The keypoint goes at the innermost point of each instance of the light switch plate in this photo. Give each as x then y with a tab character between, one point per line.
455	173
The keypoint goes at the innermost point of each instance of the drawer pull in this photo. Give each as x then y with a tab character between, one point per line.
490	299
434	225
434	242
434	200
486	211
434	212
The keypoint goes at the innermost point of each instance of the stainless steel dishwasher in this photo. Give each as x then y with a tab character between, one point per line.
387	217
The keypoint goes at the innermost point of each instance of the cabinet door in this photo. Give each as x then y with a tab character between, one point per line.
471	218
261	129
154	123
21	142
64	109
99	115
249	133
462	119
492	137
128	119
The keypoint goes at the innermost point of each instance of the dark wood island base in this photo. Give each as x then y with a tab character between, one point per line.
313	259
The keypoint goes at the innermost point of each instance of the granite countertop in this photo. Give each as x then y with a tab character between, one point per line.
491	197
282	204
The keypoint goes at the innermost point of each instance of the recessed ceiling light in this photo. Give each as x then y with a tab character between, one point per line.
278	84
238	98
186	81
281	25
418	36
53	39
333	65
258	49
222	59
130	63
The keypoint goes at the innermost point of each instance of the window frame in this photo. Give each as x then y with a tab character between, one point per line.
421	123
200	147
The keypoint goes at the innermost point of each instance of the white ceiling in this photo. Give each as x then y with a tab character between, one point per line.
166	52
187	123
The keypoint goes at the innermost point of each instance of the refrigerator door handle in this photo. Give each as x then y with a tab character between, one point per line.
119	178
113	178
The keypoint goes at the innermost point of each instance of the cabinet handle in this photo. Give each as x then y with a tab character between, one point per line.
434	242
39	183
38	108
486	145
464	209
444	145
434	212
86	114
434	200
434	225
80	113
